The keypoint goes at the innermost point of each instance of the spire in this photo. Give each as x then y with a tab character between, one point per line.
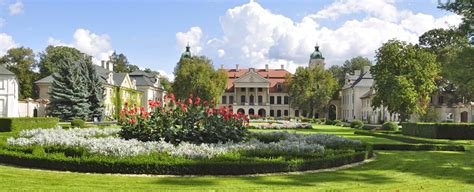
187	53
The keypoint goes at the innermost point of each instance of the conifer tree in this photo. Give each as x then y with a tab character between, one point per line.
69	94
94	87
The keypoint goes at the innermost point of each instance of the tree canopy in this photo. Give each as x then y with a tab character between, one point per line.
311	89
50	57
349	66
404	78
196	75
21	62
121	64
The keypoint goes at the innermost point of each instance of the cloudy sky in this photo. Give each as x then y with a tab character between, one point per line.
153	34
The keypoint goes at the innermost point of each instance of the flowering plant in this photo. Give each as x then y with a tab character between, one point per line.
175	121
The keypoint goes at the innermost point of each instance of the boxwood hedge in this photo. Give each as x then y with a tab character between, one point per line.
137	165
20	123
439	130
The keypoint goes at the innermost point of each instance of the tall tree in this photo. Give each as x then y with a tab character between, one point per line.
94	87
460	70
404	78
52	55
311	89
69	94
121	64
349	66
21	61
196	75
466	9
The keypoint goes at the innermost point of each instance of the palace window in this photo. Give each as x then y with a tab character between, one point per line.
224	99
440	100
272	113
285	100
279	100
242	99
272	100
242	89
286	113
297	113
278	113
231	99
260	99
260	89
251	90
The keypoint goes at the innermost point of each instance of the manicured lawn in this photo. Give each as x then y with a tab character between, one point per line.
390	171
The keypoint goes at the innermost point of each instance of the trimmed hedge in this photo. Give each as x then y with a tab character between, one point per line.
204	167
397	137
21	123
439	130
390	126
358	124
418	147
78	123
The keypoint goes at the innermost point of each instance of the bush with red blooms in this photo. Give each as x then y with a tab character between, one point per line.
192	120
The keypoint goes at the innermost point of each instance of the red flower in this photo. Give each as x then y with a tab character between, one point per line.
198	100
190	100
126	103
132	121
205	103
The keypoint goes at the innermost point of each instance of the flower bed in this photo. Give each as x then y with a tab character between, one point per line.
101	150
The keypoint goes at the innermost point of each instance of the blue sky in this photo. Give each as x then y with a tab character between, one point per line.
152	33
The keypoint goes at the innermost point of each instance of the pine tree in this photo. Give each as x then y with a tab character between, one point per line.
94	86
69	94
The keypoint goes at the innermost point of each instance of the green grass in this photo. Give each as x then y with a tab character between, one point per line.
390	171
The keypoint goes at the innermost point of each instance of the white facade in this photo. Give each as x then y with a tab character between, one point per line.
8	94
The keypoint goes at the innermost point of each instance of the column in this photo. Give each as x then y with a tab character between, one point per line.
255	98
246	96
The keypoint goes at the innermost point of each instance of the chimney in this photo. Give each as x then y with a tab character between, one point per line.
110	66
103	64
282	66
266	67
366	69
357	72
236	67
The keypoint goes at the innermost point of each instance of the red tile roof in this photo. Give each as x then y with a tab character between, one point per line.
275	76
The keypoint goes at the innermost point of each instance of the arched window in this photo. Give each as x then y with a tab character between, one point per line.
251	112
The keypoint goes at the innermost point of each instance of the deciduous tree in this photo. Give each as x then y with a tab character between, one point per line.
311	89
21	62
196	75
404	78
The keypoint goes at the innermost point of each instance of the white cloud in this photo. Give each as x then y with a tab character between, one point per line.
93	44
170	76
16	8
6	43
192	37
254	36
220	53
383	9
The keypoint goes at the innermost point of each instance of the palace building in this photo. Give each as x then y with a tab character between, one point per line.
261	91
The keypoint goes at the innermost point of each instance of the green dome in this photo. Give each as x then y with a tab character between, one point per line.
187	53
316	54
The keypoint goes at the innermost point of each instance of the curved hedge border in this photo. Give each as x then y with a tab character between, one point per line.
418	147
401	138
78	164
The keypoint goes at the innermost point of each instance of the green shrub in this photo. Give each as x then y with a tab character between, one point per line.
171	166
358	124
418	147
338	122
397	137
21	123
78	123
329	122
390	126
439	130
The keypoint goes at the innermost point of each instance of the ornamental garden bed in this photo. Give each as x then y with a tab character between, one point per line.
179	138
102	151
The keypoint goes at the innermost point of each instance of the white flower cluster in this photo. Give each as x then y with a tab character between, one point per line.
327	140
109	145
284	125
